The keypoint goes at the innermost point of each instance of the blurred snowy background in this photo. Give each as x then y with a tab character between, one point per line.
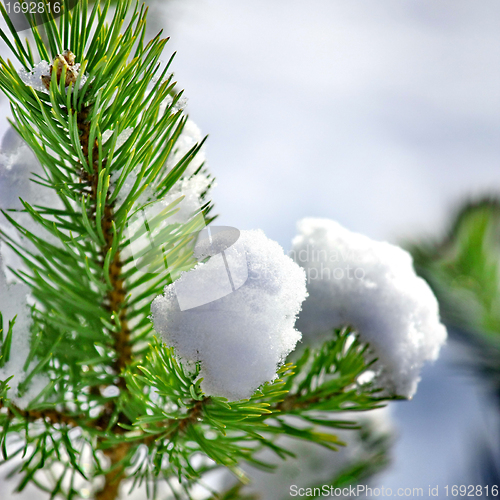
382	115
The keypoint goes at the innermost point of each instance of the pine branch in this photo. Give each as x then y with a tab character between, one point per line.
54	417
71	114
116	473
338	363
115	299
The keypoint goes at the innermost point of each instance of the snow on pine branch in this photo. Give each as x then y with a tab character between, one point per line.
14	302
33	78
191	186
19	167
372	286
242	337
39	76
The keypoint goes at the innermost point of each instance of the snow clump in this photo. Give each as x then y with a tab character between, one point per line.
33	77
242	337
372	286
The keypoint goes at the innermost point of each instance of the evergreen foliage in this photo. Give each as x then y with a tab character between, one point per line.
119	404
463	268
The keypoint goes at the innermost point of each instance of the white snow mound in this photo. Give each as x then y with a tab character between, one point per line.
242	337
372	286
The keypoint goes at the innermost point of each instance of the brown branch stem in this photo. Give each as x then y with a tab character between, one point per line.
115	303
52	416
115	298
116	472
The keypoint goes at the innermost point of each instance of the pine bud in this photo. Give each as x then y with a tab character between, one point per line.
64	60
